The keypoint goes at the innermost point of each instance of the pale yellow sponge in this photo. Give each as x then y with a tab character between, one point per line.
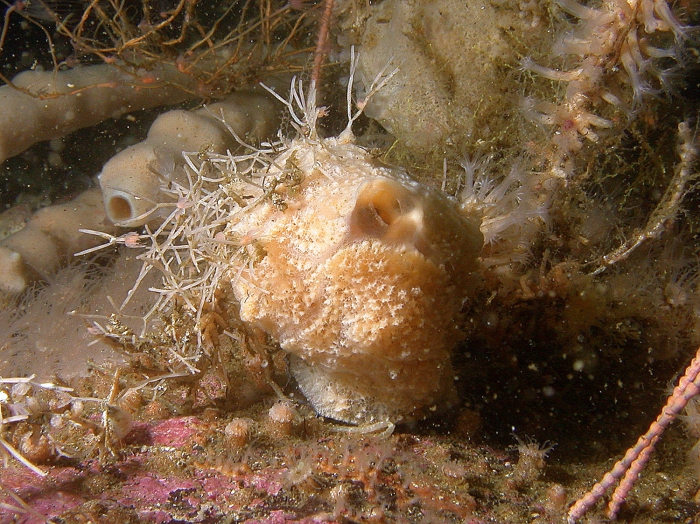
360	273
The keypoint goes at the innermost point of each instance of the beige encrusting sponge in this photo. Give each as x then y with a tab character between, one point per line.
49	239
360	273
55	103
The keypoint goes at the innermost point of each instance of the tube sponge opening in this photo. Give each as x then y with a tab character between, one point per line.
119	209
386	210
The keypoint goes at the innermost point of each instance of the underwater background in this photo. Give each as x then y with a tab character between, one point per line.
565	133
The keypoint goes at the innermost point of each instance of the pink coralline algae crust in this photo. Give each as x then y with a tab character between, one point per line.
152	497
177	432
152	491
265	483
284	517
181	470
203	497
48	496
193	495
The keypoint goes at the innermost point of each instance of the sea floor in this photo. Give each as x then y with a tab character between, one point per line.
194	469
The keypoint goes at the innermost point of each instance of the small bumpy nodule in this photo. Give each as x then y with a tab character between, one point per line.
360	273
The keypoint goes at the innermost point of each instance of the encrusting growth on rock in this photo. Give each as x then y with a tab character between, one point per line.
49	239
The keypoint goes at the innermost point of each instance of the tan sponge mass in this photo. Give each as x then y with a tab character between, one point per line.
360	273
